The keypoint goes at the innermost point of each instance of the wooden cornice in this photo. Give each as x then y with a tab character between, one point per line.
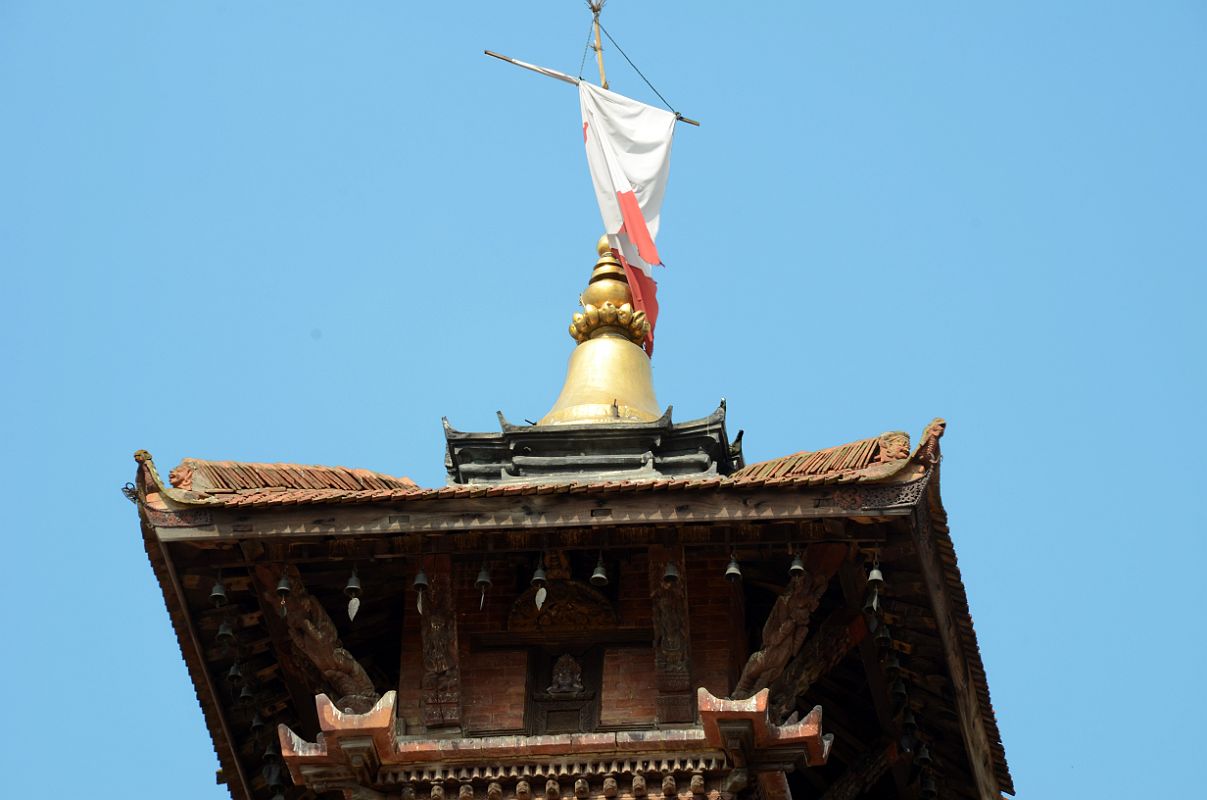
543	512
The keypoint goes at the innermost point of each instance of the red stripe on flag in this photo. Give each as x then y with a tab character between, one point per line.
635	229
645	298
584	131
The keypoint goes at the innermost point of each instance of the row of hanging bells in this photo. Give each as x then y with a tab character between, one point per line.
599	578
898	692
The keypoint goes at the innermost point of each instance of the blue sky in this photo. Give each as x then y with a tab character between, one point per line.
305	231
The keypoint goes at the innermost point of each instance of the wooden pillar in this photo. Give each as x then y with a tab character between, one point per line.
441	682
672	637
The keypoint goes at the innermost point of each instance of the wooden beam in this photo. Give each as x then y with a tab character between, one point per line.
161	559
968	707
863	774
840	632
525	512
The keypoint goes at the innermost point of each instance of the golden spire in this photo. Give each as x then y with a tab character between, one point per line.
608	378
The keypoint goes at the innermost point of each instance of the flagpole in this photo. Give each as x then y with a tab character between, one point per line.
596	7
550	73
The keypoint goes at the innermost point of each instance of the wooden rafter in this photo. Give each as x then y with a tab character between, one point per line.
853	587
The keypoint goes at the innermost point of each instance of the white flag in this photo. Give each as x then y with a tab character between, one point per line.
629	154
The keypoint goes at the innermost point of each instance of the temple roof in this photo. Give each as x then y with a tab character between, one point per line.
886	460
197	482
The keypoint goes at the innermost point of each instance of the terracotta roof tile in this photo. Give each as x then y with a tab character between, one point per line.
214	477
199	482
866	459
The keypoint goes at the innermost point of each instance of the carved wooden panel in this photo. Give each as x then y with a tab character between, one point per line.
564	690
441	669
672	637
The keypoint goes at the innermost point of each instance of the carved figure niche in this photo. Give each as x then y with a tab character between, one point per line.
565	657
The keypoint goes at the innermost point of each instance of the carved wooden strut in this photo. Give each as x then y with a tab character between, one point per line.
316	639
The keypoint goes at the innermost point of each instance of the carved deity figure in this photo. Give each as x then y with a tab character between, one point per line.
784	632
670	646
439	664
567	676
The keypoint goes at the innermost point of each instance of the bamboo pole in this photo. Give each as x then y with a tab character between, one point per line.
603	77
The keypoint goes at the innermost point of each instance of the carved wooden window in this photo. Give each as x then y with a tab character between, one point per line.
563	689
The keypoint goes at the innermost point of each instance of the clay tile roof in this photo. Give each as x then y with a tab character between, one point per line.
216	477
195	481
867	459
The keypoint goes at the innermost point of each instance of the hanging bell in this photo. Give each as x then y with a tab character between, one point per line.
420	582
482	584
272	776
909	724
246	696
892	665
923	758
257	724
733	572
272	754
884	639
897	692
871	606
234	676
352	587
600	576
798	566
218	594
876	579
538	576
226	634
483	581
284	587
671	573
927	789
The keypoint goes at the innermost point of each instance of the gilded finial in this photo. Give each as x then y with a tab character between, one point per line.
607	302
608	379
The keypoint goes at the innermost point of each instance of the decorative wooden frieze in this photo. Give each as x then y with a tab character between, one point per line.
362	755
672	637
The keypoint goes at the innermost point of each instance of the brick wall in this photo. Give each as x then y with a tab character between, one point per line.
493	686
628	687
633	601
410	692
709	601
493	682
